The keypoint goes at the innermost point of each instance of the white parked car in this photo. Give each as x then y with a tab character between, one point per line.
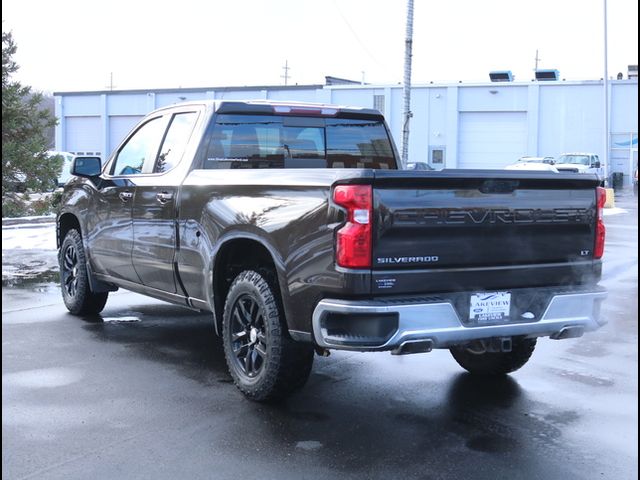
533	163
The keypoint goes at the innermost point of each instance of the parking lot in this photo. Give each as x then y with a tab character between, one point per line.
143	392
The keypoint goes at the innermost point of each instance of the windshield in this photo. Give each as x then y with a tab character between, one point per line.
271	141
575	159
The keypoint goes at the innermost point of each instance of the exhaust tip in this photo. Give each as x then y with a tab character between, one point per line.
568	332
413	346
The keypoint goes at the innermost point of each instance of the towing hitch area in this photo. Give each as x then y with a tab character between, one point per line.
493	345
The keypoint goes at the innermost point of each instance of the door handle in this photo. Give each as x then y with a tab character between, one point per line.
125	196
164	197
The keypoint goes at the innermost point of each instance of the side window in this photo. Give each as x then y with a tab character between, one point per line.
175	141
141	146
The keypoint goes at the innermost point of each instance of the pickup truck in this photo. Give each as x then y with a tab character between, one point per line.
294	226
587	163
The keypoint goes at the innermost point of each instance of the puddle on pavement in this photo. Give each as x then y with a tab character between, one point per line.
121	319
30	291
584	378
42	378
34	281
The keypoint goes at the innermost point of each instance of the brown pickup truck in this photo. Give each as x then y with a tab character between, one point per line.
293	225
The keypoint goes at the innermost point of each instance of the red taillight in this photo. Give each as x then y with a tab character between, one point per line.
353	241
601	199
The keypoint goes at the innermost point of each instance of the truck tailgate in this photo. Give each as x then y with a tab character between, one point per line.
460	230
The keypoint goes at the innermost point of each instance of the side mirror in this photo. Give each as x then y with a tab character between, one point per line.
597	164
86	166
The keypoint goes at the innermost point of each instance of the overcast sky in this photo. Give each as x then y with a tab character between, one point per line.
68	45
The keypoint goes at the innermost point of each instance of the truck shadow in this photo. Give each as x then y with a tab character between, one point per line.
350	421
166	333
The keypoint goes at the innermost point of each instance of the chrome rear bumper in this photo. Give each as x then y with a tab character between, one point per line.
435	323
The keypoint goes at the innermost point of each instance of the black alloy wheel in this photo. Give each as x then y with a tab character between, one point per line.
264	361
248	335
70	270
74	278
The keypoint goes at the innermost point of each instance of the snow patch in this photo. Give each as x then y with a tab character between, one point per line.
29	237
613	211
28	251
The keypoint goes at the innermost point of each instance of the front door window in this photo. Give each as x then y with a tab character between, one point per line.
143	145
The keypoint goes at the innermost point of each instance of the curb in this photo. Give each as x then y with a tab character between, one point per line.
28	220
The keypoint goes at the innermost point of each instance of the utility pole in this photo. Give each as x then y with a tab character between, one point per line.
286	69
605	157
110	86
407	84
537	61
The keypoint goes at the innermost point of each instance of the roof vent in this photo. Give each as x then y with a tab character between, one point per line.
547	75
632	71
501	76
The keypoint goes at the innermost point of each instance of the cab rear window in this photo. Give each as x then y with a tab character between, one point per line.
266	141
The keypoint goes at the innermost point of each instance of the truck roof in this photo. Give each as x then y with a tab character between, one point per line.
277	106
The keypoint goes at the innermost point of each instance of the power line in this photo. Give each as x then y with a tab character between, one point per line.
111	85
353	32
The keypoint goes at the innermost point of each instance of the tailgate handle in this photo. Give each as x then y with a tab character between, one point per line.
499	186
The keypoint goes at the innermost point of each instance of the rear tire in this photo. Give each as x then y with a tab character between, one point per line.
264	362
495	363
74	279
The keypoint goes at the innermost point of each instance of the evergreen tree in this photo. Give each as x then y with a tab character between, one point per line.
25	164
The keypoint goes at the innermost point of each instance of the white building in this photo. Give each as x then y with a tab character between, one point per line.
462	125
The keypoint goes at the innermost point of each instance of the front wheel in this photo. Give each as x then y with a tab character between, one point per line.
494	363
264	362
74	280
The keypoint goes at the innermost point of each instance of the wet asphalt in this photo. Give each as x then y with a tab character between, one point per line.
143	392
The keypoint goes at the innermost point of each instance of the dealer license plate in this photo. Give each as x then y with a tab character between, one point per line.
489	307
